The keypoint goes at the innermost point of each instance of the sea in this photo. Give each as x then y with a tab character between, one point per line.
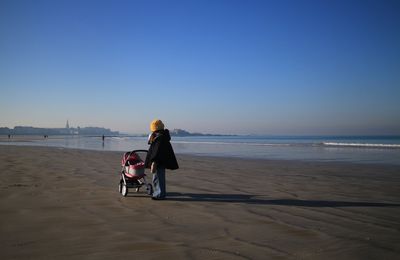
355	149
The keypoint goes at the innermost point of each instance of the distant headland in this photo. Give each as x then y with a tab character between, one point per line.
67	130
183	133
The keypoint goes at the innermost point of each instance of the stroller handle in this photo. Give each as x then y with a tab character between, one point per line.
128	154
136	151
139	151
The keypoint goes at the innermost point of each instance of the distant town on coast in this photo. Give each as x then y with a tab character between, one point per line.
67	130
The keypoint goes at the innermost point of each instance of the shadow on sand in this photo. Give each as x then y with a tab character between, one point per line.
258	200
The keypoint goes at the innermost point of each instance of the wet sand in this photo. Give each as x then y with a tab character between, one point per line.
64	204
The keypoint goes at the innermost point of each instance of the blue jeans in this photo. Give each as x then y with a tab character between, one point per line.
159	183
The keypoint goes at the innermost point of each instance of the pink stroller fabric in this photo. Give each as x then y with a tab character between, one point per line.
134	165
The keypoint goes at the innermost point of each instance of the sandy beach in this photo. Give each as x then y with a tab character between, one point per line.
63	204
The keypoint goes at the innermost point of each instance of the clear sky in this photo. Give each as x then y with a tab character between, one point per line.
217	66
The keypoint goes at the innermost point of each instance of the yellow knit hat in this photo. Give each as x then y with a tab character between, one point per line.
156	125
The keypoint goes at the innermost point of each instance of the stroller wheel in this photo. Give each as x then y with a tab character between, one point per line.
120	187
150	189
124	190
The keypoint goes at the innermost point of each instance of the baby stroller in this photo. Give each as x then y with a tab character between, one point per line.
133	173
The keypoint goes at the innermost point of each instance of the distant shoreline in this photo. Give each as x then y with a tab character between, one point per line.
214	157
30	130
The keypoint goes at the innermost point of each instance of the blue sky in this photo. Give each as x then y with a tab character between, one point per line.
240	67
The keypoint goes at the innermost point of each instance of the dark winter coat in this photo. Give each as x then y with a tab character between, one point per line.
161	151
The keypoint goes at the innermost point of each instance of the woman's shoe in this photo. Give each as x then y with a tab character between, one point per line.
156	198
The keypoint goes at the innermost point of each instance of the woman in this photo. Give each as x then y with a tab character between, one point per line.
160	156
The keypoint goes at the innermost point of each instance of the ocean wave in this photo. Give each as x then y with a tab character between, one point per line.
117	138
362	145
231	143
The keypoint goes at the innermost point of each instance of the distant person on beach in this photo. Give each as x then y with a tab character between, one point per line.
160	156
103	137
